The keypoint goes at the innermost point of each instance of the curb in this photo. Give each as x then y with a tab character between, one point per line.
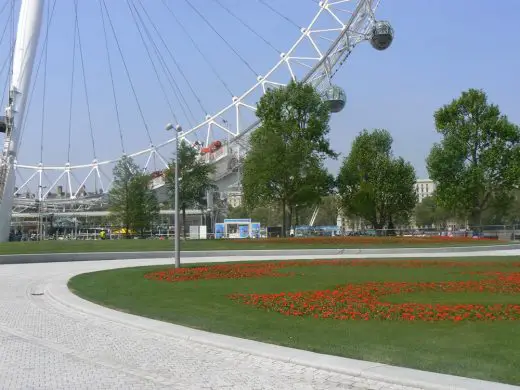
59	293
100	256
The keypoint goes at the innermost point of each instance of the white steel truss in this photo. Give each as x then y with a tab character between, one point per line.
336	29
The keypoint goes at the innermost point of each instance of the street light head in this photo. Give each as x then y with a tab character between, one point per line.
168	127
178	128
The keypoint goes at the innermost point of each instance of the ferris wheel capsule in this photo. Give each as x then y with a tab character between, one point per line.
382	35
335	97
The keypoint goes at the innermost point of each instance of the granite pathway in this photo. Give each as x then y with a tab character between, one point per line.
51	339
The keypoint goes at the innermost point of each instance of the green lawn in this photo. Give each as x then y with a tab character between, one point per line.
206	245
485	350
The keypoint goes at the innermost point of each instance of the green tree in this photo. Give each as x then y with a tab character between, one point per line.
148	212
267	216
478	158
285	163
429	213
513	213
195	181
374	185
310	191
238	212
503	210
329	210
132	204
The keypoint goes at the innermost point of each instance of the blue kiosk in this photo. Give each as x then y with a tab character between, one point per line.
237	229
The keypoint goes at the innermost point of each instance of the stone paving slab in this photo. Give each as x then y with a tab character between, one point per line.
52	339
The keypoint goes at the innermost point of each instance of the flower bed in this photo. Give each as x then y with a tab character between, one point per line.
221	271
371	240
271	269
365	301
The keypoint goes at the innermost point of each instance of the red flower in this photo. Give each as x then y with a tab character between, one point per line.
365	301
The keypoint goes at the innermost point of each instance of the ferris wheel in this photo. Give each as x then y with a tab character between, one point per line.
37	33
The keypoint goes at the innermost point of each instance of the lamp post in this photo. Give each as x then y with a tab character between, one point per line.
178	130
41	199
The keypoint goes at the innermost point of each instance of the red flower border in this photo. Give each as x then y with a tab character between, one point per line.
242	270
364	301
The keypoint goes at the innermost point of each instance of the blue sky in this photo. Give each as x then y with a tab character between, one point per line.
440	49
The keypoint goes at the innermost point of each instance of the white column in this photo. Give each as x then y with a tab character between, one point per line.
29	25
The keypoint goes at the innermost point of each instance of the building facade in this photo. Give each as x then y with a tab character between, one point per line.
424	188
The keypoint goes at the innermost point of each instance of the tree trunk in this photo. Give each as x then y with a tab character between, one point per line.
378	227
475	219
391	228
290	217
284	219
184	222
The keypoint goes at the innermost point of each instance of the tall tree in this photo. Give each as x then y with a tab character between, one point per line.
503	210
309	191
285	163
329	210
430	213
478	158
148	211
267	216
373	184
133	205
195	181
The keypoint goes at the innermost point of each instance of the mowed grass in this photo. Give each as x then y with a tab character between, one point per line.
77	246
485	350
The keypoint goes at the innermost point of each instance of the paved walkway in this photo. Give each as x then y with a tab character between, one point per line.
51	339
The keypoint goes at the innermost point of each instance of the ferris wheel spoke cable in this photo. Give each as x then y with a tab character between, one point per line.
132	87
111	74
71	96
244	61
167	99
185	107
6	3
274	10
85	81
179	68
35	78
44	92
6	83
332	6
247	26
11	52
174	86
4	31
178	22
6	61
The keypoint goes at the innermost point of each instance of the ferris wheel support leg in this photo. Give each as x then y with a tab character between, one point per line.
27	36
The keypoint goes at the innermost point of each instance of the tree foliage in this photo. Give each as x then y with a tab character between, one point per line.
285	164
195	181
267	216
503	210
272	215
132	204
430	213
328	212
147	211
478	158
373	184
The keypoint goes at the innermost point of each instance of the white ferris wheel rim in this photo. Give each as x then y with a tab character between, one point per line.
261	82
